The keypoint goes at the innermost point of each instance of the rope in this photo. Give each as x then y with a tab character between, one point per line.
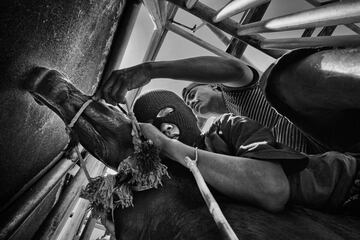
77	115
69	128
213	206
82	163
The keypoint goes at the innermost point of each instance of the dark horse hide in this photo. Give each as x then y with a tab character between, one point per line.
176	210
102	129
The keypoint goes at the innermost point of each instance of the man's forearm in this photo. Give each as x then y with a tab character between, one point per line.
204	70
259	182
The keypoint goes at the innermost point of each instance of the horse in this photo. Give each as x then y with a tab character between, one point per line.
175	210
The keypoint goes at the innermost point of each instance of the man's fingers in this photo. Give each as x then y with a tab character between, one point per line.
114	91
121	95
107	88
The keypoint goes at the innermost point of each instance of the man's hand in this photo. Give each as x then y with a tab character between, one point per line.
114	89
151	132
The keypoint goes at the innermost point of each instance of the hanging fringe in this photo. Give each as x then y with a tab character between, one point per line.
140	171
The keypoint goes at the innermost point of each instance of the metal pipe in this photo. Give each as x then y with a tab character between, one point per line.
89	228
156	41
351	26
331	14
153	49
237	6
327	31
157	12
308	32
59	215
16	214
75	220
190	3
34	179
206	13
223	38
199	41
292	43
355	28
237	47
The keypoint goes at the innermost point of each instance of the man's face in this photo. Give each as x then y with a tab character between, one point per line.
170	130
202	100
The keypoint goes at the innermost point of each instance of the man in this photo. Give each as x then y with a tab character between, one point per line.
241	159
230	73
310	87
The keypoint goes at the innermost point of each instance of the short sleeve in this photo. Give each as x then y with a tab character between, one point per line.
253	84
243	137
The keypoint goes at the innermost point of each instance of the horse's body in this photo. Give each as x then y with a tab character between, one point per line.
177	210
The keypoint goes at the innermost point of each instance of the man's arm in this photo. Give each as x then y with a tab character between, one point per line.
206	69
257	182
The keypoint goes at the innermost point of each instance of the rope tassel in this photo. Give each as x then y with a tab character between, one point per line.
140	171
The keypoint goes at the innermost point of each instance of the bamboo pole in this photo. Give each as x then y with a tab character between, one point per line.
293	43
237	6
214	208
330	14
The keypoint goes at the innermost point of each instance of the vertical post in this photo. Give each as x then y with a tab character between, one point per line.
121	38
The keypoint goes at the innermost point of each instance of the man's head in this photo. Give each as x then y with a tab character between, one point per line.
204	99
168	112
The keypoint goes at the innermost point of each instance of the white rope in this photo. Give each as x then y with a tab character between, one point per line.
70	126
77	115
